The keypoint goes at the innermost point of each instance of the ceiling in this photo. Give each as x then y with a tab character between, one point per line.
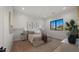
43	11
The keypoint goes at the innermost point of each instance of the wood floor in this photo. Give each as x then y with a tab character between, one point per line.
53	46
25	46
20	46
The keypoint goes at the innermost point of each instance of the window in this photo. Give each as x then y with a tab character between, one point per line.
56	24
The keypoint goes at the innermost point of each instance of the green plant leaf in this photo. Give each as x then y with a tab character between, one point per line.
67	24
72	22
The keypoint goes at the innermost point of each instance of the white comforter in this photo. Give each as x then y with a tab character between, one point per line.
31	37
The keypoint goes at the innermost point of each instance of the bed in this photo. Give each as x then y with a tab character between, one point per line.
36	36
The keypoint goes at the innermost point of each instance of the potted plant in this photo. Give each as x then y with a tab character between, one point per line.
73	31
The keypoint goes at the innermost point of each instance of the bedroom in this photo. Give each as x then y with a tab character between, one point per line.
33	19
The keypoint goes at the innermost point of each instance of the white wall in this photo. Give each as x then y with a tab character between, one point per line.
1	27
67	17
21	20
5	36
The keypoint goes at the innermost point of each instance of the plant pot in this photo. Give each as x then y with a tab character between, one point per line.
77	36
72	39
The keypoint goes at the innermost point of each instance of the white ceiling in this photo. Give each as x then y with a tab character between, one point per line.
43	11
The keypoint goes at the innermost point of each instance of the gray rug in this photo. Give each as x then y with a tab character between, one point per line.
48	47
39	42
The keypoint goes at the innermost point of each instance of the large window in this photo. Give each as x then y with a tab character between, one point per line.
56	24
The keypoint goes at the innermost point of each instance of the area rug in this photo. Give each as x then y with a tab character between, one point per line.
48	47
39	42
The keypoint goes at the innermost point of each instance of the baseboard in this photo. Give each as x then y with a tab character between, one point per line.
53	38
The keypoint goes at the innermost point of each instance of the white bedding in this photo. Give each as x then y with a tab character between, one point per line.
31	37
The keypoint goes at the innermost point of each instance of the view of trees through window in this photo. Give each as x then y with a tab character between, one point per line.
56	24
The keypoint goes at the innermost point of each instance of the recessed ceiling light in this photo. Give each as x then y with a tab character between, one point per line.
22	8
64	8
